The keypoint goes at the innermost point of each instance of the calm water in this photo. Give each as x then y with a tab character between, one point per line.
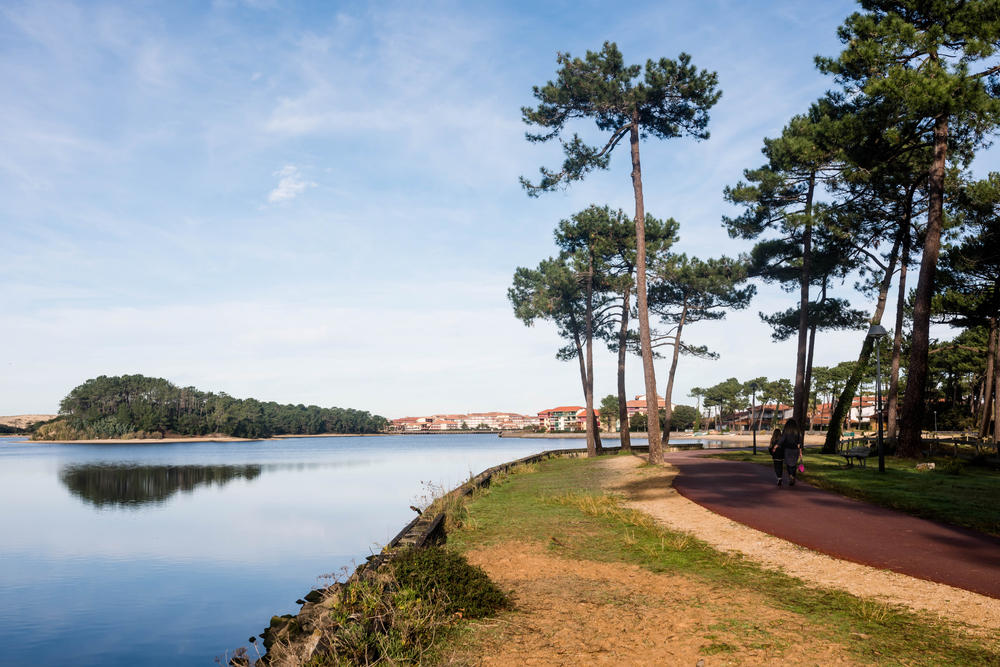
172	554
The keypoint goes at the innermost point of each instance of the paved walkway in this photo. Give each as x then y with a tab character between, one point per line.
841	527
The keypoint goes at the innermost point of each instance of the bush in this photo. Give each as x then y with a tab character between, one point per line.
438	573
952	467
57	429
386	616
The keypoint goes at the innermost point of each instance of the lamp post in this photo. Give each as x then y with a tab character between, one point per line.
877	332
753	408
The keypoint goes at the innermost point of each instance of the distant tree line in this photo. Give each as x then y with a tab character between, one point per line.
134	405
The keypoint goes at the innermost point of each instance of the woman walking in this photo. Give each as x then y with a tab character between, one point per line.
786	450
777	457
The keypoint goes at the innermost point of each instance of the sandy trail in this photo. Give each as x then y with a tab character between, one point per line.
577	612
649	489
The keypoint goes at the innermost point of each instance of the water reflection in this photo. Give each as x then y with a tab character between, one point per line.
134	486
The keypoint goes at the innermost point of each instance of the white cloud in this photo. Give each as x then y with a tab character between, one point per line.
290	185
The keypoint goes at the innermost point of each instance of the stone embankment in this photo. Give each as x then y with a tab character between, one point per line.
425	529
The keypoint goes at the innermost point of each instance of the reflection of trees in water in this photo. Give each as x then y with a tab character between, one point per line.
103	485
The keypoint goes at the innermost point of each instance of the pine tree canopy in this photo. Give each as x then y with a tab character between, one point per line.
665	99
923	58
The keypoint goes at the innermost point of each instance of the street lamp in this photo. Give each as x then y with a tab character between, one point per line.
875	332
753	408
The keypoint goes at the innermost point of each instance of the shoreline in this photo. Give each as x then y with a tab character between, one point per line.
872	585
197	438
744	439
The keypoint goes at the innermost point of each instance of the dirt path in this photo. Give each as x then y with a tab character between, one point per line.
574	612
649	489
580	612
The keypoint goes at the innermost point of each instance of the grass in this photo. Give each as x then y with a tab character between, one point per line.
963	495
393	615
562	506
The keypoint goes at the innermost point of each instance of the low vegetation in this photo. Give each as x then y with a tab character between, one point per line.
416	609
391	615
563	508
963	494
447	578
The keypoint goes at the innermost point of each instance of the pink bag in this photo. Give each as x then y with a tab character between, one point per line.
802	467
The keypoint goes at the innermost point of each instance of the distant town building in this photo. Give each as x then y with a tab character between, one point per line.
563	418
763	416
862	412
494	421
638	405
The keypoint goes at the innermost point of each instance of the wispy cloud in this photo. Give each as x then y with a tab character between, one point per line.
145	205
290	184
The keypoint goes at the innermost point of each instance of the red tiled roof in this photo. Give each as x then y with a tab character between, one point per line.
562	408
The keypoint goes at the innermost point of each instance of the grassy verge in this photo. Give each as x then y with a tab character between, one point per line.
962	495
393	615
563	507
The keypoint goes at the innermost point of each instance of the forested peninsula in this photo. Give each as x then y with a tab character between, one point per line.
136	406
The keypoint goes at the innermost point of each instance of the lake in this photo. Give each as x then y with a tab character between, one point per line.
174	554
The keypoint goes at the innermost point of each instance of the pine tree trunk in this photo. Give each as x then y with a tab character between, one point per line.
799	399
587	396
846	399
668	409
593	444
809	371
623	433
912	416
991	391
645	342
892	397
989	380
996	399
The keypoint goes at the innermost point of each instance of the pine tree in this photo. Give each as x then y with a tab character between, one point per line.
781	200
688	290
923	61
665	99
969	289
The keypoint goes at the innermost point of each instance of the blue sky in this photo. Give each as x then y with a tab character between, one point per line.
318	202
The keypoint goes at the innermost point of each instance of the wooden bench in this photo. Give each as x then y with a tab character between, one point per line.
859	454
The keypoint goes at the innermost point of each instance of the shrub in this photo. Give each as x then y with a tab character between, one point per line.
952	467
57	429
438	573
388	615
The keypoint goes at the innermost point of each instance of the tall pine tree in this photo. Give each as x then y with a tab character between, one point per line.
665	99
928	61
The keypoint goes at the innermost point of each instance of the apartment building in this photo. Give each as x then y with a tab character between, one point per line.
763	416
862	412
638	405
497	421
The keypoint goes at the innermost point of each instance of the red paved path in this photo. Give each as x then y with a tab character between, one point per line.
839	526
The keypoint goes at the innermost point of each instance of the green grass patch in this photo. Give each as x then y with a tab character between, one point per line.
462	589
963	495
563	507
